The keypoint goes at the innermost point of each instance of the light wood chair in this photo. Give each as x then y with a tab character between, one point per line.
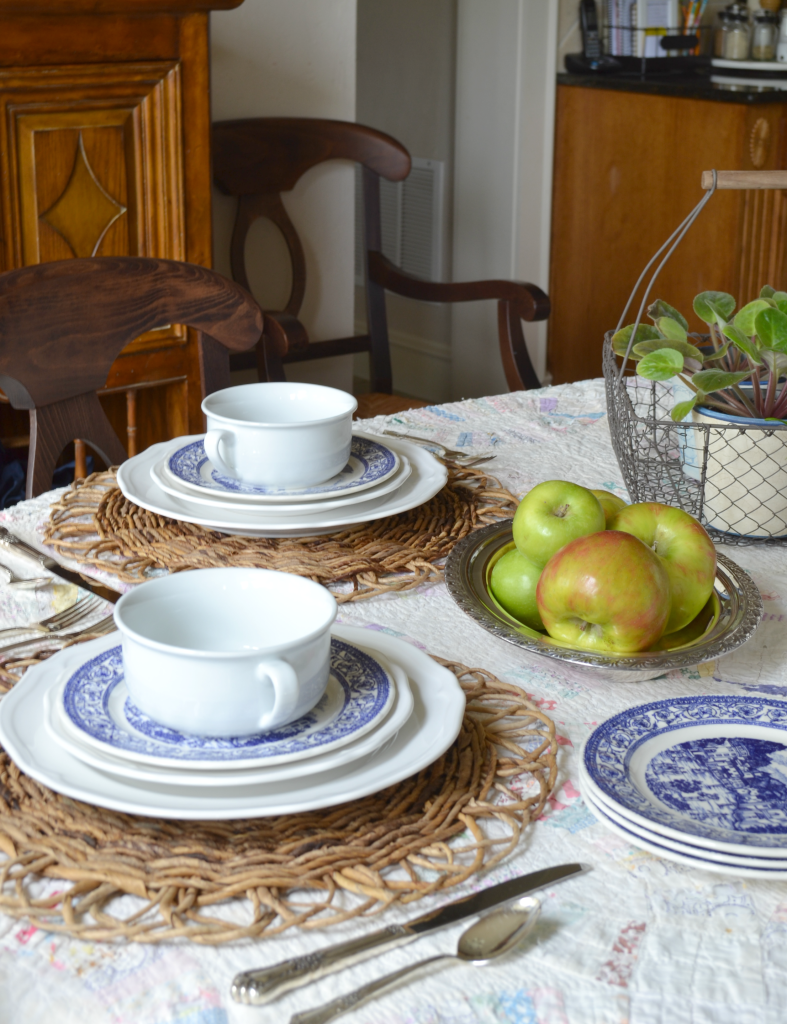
63	324
257	160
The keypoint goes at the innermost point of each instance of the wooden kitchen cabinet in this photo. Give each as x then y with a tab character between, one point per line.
105	150
627	171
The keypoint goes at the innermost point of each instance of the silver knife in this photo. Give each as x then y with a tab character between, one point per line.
257	987
12	543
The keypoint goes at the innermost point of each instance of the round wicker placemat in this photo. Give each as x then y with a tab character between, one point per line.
96	526
216	882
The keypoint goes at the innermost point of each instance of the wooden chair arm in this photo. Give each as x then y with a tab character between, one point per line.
530	302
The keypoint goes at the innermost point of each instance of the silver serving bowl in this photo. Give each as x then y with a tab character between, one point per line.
729	620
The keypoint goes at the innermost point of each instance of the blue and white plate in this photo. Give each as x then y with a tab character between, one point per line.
96	705
777	871
709	769
370	464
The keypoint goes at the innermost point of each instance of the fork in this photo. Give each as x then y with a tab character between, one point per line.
441	449
61	620
100	628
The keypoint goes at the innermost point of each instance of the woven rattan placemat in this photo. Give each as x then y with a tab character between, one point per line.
215	882
95	525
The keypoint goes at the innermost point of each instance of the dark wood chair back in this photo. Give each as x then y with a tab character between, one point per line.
63	324
259	158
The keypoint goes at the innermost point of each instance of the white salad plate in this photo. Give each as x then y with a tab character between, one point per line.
262	507
710	771
438	710
227	774
688	849
428	476
371	463
94	706
699	861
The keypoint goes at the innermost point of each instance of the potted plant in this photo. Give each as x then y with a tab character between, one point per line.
729	382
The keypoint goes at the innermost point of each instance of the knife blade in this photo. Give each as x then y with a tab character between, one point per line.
20	547
263	985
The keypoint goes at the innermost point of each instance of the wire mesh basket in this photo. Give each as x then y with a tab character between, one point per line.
728	471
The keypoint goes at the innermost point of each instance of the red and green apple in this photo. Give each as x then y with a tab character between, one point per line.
685	550
605	592
611	503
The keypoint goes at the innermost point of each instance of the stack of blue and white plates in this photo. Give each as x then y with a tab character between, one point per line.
176	479
698	780
388	711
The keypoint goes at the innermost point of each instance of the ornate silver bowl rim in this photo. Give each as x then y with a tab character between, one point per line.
465	576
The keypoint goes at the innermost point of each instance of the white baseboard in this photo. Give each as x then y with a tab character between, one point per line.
421	366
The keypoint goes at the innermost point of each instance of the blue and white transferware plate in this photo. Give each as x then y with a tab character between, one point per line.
709	862
96	705
370	463
712	768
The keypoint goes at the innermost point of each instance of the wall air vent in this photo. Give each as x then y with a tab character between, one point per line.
412	220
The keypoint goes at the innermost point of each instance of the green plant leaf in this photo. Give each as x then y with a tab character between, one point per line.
711	306
746	345
744	318
775	361
682	409
671	328
717	380
620	339
660	308
716	356
687	350
660	365
771	327
766	292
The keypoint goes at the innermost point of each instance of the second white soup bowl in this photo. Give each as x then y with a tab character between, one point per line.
279	434
226	652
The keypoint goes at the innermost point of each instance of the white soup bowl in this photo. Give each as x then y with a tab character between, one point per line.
279	434
226	652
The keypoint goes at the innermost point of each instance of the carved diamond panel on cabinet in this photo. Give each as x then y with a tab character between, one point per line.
94	166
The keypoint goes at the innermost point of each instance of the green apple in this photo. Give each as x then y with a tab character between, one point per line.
611	503
685	549
605	592
552	514
513	583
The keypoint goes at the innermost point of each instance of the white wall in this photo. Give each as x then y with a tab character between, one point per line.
502	172
294	58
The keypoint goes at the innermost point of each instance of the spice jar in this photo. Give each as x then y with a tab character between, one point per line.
722	27
737	37
764	35
781	45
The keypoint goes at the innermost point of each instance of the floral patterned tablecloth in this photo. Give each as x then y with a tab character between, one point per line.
638	939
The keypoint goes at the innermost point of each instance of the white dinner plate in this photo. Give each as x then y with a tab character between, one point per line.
428	476
372	461
226	775
95	708
673	844
438	710
702	863
709	770
264	508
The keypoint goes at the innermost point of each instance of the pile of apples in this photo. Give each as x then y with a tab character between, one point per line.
596	573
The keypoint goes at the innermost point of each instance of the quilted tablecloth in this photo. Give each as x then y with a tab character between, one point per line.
638	939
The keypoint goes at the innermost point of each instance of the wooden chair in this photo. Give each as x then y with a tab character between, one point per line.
258	159
63	324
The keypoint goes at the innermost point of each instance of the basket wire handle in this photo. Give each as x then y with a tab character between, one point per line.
677	235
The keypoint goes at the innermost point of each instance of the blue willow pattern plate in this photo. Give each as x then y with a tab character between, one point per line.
95	701
370	463
714	767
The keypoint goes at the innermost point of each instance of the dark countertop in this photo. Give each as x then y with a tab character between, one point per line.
695	85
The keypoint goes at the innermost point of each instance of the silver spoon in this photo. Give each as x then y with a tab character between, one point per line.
482	942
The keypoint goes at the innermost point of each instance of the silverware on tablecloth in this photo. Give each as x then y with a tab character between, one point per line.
19	547
486	940
465	458
265	984
8	578
100	628
64	619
